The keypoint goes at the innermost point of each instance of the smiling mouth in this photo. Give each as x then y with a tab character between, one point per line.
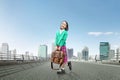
61	27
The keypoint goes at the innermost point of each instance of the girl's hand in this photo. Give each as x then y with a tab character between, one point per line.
58	47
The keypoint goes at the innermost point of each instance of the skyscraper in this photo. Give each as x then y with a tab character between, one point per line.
27	55
70	53
85	53
111	54
79	55
104	50
117	53
9	55
13	54
5	50
42	51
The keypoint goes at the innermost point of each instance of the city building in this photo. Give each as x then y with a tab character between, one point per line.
118	54
79	55
85	53
13	54
27	55
42	51
9	55
5	51
5	48
111	54
104	50
70	53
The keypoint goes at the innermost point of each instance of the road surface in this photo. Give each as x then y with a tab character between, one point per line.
81	71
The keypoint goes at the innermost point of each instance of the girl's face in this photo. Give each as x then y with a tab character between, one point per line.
63	25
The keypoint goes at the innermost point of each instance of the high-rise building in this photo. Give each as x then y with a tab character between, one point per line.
14	56
9	55
79	55
70	53
85	53
14	51
27	55
5	50
42	51
111	54
118	54
104	50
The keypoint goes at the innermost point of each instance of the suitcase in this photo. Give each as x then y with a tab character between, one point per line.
57	57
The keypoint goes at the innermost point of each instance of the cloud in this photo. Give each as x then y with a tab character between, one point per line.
108	33
95	33
100	33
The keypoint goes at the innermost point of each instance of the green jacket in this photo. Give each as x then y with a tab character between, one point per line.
61	38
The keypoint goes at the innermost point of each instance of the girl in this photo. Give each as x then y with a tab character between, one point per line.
60	42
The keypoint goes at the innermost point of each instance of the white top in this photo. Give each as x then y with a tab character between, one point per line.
61	31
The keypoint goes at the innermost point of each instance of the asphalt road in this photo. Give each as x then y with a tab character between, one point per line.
81	71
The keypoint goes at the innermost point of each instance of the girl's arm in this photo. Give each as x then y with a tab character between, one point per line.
56	42
56	39
63	39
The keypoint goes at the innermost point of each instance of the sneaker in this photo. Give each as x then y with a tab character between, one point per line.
59	71
63	70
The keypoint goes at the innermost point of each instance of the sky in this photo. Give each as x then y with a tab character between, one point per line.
26	24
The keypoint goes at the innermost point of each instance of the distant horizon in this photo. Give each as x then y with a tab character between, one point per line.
50	49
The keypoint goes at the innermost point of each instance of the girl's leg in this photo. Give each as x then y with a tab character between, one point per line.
63	49
63	68
63	65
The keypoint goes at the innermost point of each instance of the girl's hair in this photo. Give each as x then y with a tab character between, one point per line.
67	27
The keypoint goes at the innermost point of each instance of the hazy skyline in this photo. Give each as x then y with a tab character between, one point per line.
26	24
